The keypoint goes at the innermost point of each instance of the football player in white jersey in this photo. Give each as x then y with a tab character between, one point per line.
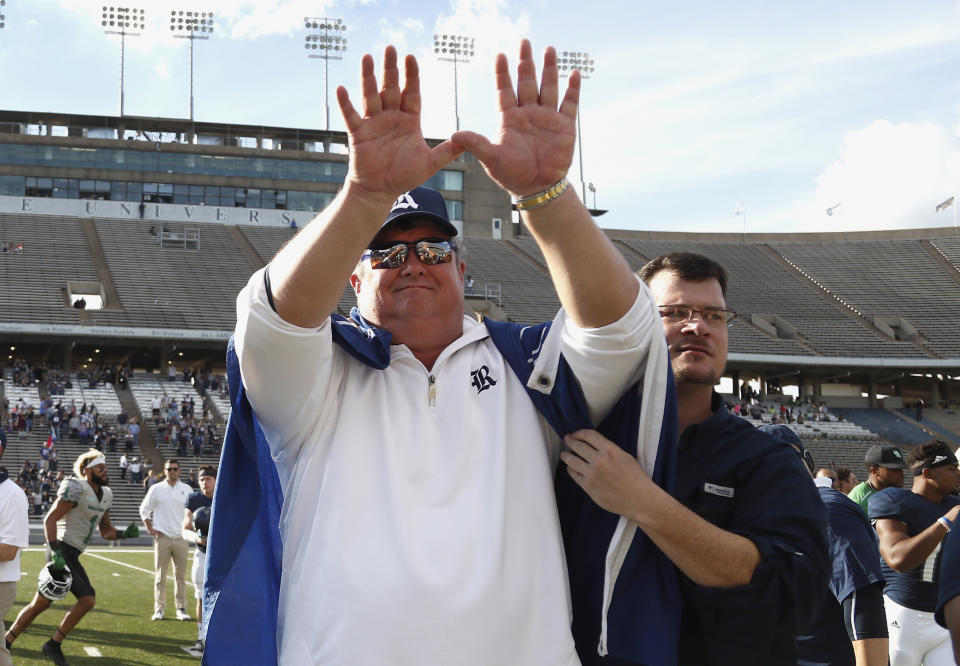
83	502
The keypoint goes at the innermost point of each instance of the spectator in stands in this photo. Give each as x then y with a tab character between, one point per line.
122	419
885	465
134	431
171	372
468	285
124	464
918	410
135	478
743	507
846	480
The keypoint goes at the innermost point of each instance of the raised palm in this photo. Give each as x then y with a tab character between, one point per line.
387	150
534	146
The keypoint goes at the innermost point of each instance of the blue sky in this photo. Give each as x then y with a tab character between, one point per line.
785	108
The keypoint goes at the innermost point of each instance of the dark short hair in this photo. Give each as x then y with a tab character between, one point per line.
688	266
167	461
927	452
208	471
843	474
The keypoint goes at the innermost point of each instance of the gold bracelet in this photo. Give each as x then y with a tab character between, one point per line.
541	198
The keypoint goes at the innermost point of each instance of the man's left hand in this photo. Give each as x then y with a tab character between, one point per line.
534	147
612	477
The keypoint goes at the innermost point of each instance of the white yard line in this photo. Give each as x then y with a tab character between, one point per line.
124	564
92	651
145	549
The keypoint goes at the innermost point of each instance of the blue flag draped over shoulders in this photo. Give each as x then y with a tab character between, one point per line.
244	553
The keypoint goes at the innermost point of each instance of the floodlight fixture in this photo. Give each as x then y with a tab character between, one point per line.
122	21
3	19
325	40
454	48
567	62
192	25
833	208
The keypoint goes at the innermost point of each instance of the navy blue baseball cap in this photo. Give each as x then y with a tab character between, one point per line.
421	202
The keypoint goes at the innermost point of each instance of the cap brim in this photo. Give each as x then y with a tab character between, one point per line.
445	226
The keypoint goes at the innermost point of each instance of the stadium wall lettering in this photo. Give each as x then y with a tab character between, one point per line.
85	208
114	331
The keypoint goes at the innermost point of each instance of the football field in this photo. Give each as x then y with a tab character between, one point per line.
118	630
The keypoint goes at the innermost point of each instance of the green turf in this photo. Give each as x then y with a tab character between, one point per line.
119	626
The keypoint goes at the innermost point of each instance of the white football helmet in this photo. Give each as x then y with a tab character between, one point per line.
54	585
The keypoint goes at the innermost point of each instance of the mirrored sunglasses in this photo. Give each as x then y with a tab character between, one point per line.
431	251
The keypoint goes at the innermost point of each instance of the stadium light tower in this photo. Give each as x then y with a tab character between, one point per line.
195	25
567	61
327	43
454	48
122	21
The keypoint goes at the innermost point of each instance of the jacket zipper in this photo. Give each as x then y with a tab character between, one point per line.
432	391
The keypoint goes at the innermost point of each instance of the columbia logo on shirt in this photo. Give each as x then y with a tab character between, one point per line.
720	491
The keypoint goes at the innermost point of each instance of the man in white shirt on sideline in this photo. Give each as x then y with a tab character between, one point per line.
14	535
162	513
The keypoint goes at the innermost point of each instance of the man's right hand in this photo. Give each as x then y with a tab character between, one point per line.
388	154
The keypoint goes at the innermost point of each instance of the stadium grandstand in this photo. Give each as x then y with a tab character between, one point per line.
124	241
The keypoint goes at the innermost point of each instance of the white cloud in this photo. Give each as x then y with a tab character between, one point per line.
162	70
401	33
888	176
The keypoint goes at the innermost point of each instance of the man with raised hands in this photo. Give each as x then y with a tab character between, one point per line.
413	448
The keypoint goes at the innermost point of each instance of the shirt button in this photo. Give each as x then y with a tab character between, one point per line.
544	381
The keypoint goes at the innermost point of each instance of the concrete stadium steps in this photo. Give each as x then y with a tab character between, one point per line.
758	284
143	386
527	293
928	424
33	284
172	287
895	278
126	498
267	241
947	418
105	399
886	424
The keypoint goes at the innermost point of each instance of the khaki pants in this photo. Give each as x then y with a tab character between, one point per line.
8	593
164	548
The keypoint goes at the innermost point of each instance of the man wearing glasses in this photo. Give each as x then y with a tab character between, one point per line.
744	526
419	522
162	513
